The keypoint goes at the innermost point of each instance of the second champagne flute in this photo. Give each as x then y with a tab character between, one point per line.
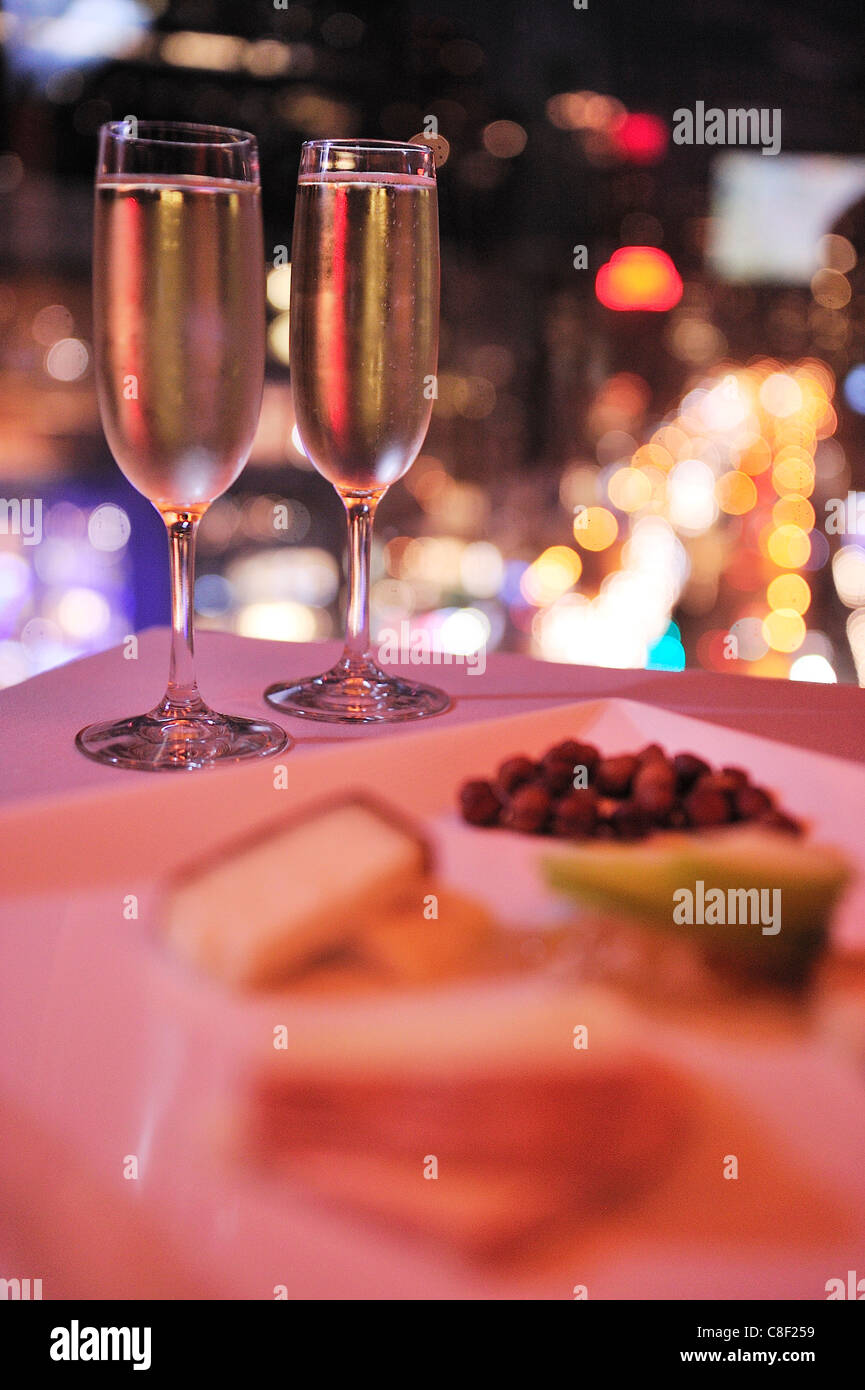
364	345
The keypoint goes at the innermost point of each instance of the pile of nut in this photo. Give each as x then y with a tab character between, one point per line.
574	792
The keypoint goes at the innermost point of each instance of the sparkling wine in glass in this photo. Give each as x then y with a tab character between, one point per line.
178	300
364	345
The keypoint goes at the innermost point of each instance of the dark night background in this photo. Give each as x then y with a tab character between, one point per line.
544	392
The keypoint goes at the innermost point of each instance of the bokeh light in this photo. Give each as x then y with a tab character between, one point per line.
108	527
67	359
813	667
848	573
789	547
736	493
781	395
640	137
551	575
595	528
789	591
504	139
629	489
279	337
854	388
279	286
693	506
784	630
639	277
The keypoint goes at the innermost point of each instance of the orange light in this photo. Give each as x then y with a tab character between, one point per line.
736	493
789	591
793	510
653	455
795	433
789	547
812	369
626	392
772	666
795	451
675	441
827	422
595	528
831	289
602	112
629	489
552	574
756	458
504	139
793	472
567	110
784	630
639	277
781	395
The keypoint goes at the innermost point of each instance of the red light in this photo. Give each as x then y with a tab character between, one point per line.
640	138
712	649
639	277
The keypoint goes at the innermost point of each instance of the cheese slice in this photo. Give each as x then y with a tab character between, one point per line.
269	905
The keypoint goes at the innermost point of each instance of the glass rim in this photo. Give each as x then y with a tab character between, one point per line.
404	145
119	130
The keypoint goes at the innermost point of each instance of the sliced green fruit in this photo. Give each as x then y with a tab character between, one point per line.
783	930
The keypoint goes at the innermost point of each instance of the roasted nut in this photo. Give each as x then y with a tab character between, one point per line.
580	755
628	795
777	820
575	752
738	774
575	755
688	767
614	775
726	782
576	814
479	803
705	806
513	773
752	803
653	752
654	788
630	822
528	810
557	774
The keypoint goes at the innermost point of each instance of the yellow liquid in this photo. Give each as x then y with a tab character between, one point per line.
179	331
364	324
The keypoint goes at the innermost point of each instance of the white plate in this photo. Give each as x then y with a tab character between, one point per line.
108	1048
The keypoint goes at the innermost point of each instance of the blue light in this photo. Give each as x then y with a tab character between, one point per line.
213	595
667	654
854	388
510	591
60	35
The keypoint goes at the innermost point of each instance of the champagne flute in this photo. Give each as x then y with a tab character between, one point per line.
364	343
178	291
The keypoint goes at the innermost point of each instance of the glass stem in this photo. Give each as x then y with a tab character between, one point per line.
182	696
360	512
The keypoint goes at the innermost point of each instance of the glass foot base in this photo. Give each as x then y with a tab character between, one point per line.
151	743
340	697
